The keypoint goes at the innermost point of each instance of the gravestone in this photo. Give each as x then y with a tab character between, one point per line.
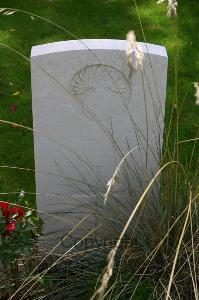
87	114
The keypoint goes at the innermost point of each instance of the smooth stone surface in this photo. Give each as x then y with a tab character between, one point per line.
87	114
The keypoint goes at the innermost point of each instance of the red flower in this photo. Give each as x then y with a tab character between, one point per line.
4	205
10	226
6	213
17	211
5	209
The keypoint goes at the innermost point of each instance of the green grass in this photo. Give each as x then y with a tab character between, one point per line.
88	19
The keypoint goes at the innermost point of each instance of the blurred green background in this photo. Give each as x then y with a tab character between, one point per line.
89	19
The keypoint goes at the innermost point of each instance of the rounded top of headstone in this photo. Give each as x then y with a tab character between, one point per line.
94	44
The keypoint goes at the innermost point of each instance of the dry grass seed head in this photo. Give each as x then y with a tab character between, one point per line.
108	271
196	85
112	183
132	45
115	179
171	8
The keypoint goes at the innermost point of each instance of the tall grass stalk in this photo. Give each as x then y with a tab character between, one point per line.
111	257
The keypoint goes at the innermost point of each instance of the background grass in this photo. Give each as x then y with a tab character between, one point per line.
88	19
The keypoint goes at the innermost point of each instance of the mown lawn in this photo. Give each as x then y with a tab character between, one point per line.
87	19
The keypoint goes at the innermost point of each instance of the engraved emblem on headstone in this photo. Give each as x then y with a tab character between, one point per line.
104	83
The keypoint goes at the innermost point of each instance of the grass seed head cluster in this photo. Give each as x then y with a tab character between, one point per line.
132	46
171	8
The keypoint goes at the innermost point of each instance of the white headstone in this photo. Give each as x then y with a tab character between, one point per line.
87	114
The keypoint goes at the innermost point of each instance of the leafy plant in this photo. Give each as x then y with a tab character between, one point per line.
19	228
